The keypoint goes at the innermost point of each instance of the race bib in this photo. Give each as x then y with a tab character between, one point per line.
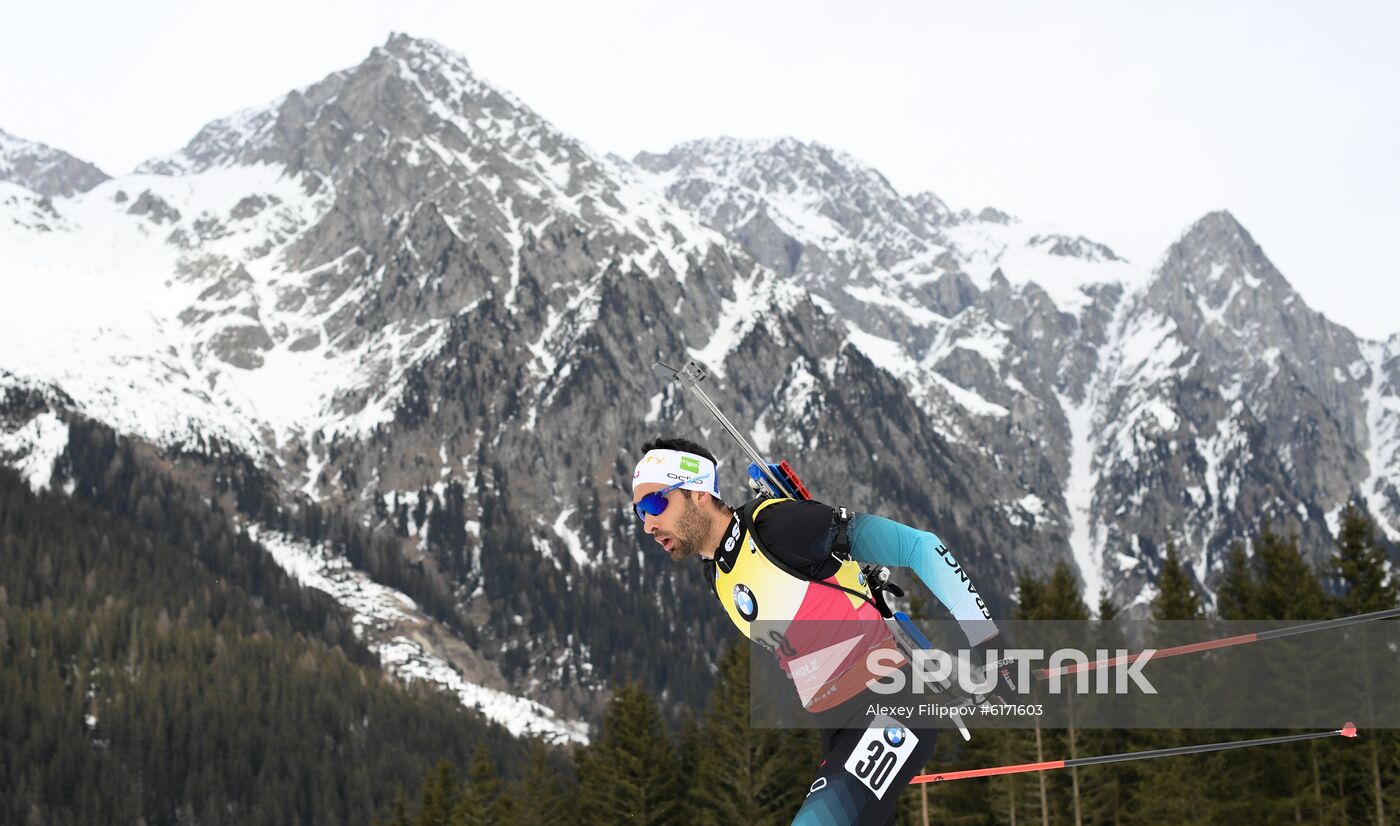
879	755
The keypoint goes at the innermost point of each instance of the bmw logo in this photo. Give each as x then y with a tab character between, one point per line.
745	603
894	735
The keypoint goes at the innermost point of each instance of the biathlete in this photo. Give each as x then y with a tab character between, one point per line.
788	574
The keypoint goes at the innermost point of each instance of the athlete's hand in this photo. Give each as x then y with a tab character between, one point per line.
1003	672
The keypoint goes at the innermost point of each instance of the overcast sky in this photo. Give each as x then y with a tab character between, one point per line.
1120	121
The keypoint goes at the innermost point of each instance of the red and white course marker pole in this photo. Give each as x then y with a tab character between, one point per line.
1224	642
1348	730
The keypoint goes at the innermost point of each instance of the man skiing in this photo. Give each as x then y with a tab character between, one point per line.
787	573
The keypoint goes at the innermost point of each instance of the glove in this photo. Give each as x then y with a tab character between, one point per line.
1004	688
877	578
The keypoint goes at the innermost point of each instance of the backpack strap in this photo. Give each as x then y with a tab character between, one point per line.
747	515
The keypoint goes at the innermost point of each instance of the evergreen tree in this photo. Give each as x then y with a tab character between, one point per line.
1169	790
1287	587
1060	598
631	773
1237	596
745	775
1061	601
400	817
1108	609
690	745
176	673
1029	590
442	793
1176	598
481	803
1360	565
1106	789
1275	583
543	797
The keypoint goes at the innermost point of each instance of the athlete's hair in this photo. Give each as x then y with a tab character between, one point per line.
678	443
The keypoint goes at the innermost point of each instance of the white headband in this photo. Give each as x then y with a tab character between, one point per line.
667	467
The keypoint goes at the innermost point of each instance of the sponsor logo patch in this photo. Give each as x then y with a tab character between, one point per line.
745	603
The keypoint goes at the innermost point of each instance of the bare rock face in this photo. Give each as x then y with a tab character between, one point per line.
154	209
241	346
45	170
1231	402
814	214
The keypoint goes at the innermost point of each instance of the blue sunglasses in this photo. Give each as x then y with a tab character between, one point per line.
654	503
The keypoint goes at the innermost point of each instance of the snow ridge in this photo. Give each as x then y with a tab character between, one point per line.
390	622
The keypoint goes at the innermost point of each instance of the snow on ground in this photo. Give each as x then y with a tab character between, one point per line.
119	310
883	298
34	447
522	717
373	606
1079	494
1030	504
752	297
970	330
654	407
104	341
894	359
986	246
571	539
885	354
382	614
1383	428
969	400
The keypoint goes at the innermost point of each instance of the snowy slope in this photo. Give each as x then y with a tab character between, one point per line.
192	304
96	308
393	627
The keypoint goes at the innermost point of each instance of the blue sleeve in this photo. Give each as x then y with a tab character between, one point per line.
886	542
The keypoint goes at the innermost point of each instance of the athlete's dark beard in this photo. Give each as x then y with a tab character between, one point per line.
692	531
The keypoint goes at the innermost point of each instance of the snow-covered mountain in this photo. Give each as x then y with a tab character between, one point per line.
1185	401
374	288
49	172
403	296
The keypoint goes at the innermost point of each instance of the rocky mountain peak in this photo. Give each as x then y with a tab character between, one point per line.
931	207
800	208
1216	241
1217	278
408	47
411	99
40	168
782	167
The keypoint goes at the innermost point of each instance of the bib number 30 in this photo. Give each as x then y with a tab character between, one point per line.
878	756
